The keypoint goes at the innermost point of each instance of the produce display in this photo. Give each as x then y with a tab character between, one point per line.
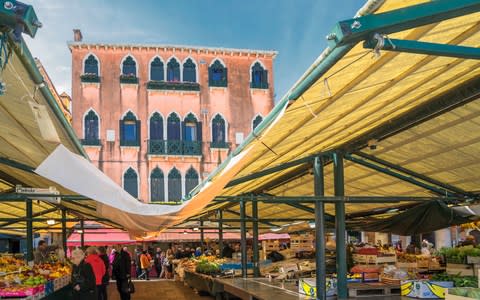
473	293
459	255
19	280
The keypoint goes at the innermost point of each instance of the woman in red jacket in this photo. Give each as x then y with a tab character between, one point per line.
98	267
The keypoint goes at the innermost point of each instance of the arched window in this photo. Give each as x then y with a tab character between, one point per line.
157	187
174	185
129	67
259	77
91	128
217	74
191	180
91	65
257	121
130	182
174	145
192	129
173	70
156	70
218	130
156	127
129	130
189	71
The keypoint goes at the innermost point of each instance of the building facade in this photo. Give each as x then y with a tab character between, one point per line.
158	119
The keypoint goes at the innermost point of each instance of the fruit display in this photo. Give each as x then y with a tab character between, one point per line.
20	280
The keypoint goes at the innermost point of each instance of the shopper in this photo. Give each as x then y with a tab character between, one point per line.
227	251
138	267
144	265
83	278
121	271
102	292
98	267
157	262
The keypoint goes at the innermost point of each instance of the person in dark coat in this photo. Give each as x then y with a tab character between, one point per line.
102	293
121	271
83	278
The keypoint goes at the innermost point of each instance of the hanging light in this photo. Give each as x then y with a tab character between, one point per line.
195	228
51	222
80	231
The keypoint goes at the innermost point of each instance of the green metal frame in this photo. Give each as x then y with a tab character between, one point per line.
358	29
330	199
417	47
319	190
341	250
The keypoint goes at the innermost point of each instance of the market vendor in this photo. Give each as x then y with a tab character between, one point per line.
42	253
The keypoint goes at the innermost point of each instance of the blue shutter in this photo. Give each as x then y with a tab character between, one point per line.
138	128
184	131
120	131
225	76
199	131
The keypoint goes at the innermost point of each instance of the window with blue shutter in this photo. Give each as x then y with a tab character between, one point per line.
130	130
190	128
129	67
191	180
259	77
91	128
189	71
217	74
257	121
173	127
156	70
156	127
91	65
130	182
174	186
173	70
157	187
218	129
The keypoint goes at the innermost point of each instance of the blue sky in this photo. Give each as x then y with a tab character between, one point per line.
294	28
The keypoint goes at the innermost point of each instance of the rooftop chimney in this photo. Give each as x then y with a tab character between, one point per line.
77	35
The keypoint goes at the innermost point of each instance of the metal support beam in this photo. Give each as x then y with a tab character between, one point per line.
319	189
11	221
412	173
248	217
358	29
239	220
243	239
82	235
397	175
64	229
256	266
327	217
330	199
16	165
417	47
202	237
29	213
220	232
341	249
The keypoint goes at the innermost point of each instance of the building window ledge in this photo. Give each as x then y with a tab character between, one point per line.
219	145
128	79
173	86
89	78
91	143
259	86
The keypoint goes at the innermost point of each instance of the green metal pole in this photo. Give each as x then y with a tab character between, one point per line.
202	237
29	211
243	239
64	229
82	235
339	189
220	232
256	267
319	188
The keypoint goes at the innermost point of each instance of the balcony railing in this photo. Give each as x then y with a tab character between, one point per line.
174	147
89	78
219	145
127	143
173	85
259	85
91	142
131	79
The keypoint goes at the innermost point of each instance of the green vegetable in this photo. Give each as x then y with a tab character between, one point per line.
474	293
459	291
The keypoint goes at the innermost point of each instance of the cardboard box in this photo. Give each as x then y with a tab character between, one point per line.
308	286
425	288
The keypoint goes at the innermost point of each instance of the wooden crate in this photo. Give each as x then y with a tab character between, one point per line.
356	290
302	242
462	269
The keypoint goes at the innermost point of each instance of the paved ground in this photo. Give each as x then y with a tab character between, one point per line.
158	289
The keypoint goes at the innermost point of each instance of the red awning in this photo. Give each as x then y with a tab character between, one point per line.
189	235
100	237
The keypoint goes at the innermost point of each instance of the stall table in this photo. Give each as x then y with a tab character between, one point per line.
261	289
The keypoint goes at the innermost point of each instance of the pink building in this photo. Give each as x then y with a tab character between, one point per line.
157	118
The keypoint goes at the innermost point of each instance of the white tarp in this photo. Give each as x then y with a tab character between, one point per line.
81	176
